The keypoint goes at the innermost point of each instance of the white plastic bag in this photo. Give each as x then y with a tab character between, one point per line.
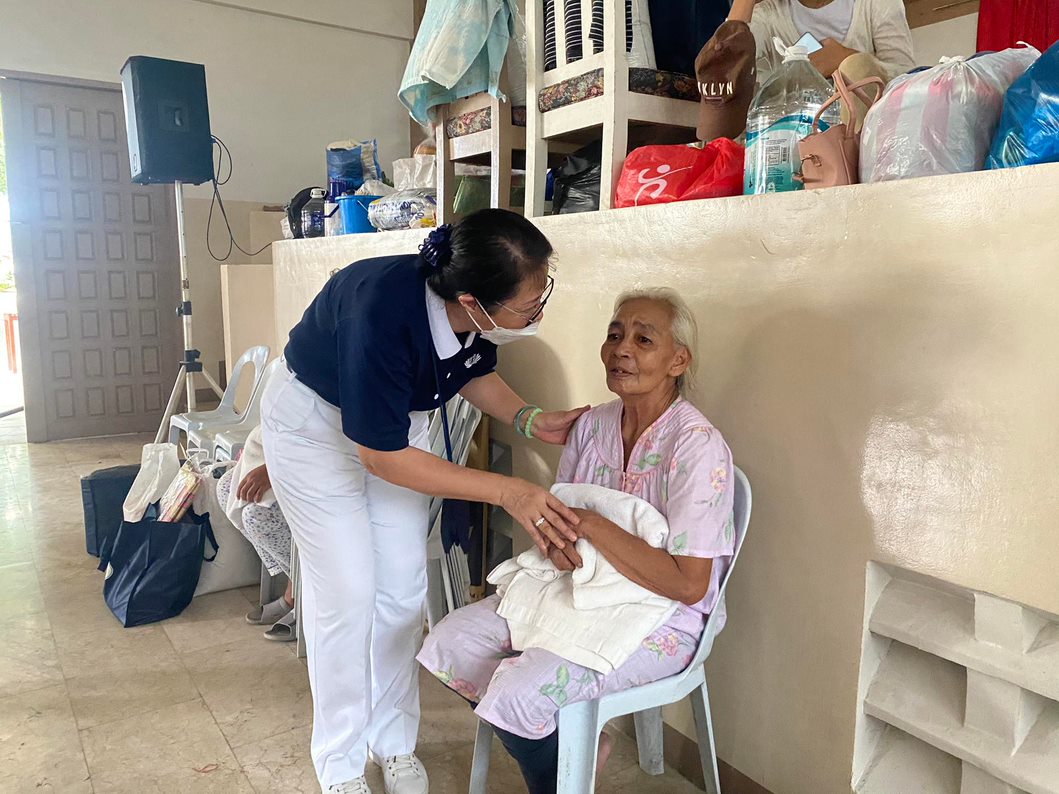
516	63
419	171
374	187
236	563
159	465
941	120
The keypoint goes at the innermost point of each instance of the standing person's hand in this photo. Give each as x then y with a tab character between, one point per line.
546	520
552	427
830	57
254	485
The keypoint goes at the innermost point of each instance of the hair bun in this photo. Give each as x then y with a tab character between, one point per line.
436	249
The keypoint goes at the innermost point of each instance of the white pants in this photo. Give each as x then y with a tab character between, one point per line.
362	546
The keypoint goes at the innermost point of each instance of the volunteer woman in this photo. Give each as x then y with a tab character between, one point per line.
345	436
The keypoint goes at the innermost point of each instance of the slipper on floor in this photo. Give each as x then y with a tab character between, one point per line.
283	630
269	613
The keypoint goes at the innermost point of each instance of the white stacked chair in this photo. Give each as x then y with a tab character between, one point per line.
223	440
470	129
225	413
612	108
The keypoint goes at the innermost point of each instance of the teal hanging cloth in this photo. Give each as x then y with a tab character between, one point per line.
458	52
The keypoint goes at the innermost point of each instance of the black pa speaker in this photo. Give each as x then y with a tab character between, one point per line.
168	120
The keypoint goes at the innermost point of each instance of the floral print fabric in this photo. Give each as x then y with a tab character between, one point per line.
264	526
470	652
641	81
480	120
683	467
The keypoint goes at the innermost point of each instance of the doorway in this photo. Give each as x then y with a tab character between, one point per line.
94	264
12	420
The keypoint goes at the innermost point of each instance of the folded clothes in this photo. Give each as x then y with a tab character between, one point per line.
594	616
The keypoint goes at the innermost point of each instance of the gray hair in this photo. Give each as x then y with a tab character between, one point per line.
681	324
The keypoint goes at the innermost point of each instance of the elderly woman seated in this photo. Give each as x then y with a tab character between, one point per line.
650	443
245	494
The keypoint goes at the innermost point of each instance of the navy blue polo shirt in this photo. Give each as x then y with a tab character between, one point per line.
365	345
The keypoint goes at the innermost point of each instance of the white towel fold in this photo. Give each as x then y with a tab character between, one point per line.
253	456
596	616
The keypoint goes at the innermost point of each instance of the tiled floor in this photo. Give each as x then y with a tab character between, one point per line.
199	703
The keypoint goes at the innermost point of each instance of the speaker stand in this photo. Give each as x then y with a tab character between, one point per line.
189	364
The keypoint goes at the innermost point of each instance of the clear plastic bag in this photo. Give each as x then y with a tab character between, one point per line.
1029	126
419	171
405	209
939	120
177	499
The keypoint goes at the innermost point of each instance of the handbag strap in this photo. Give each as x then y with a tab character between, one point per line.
213	542
845	91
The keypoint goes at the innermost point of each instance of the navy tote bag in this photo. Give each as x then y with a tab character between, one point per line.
153	566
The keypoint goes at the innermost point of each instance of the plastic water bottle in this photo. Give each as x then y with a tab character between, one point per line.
781	115
313	214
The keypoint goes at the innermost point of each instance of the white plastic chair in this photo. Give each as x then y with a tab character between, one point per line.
229	443
580	723
207	434
225	413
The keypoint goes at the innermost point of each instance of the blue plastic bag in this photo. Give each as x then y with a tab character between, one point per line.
152	567
350	163
1029	126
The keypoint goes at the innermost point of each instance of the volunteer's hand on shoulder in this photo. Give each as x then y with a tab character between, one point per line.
552	427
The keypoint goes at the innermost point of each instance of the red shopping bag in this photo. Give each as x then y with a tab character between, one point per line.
659	174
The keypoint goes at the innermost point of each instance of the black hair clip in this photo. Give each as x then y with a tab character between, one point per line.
436	250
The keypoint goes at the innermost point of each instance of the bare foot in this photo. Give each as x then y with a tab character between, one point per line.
606	744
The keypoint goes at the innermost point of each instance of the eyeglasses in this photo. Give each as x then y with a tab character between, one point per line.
532	318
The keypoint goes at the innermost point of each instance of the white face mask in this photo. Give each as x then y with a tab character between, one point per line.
501	336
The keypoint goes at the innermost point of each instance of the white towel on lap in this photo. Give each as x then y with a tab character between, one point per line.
596	616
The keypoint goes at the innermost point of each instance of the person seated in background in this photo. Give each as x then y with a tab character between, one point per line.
848	30
252	508
653	444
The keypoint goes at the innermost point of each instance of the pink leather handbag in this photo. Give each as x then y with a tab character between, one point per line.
832	157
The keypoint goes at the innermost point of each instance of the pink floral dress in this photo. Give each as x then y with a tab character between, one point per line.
683	467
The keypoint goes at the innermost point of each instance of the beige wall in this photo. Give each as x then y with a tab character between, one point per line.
881	360
253	228
283	80
957	36
247	301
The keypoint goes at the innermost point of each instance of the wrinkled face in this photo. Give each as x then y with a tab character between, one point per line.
640	355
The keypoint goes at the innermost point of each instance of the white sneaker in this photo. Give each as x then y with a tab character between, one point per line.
358	786
403	774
